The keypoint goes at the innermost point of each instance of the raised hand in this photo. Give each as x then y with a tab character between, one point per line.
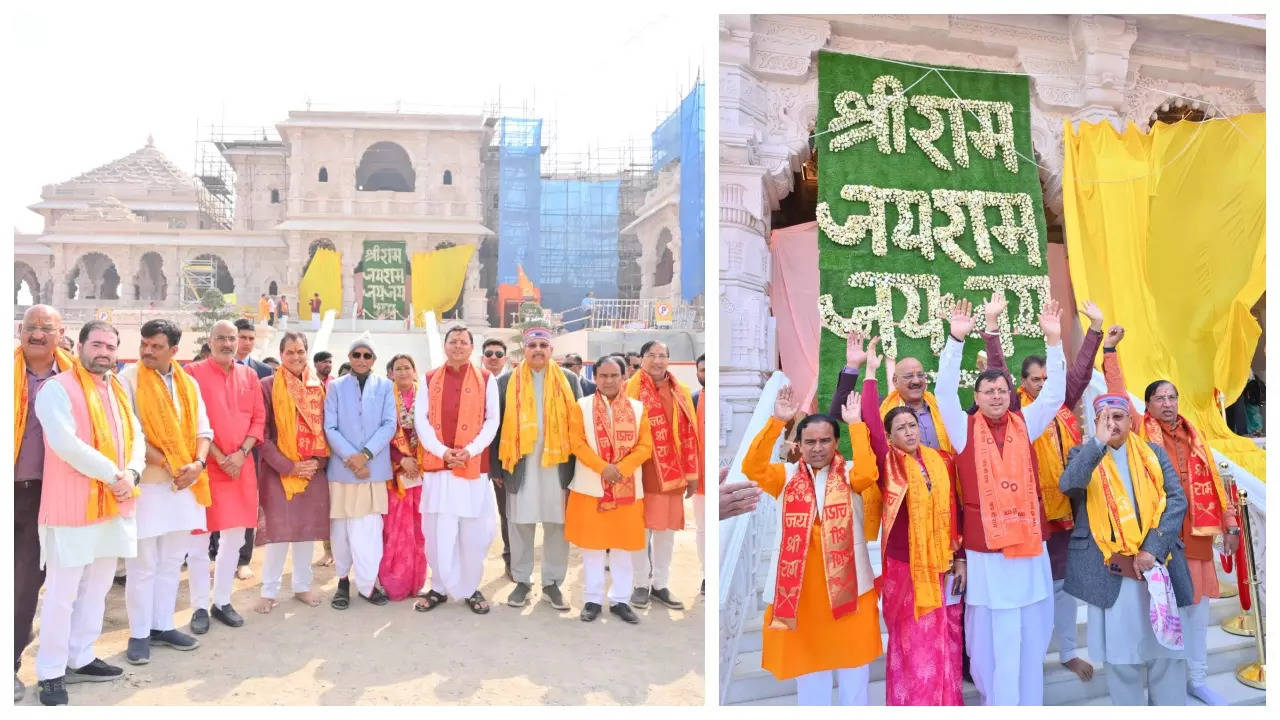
1114	335
1104	427
996	304
1051	322
785	406
1094	313
873	360
853	352
962	320
851	412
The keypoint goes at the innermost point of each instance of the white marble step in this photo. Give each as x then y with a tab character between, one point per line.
750	684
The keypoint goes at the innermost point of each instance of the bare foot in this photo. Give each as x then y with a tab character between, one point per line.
265	605
1082	669
326	561
308	597
243	572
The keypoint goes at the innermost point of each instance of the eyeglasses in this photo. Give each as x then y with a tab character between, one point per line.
994	392
655	356
1164	398
494	353
361	356
537	345
915	376
46	329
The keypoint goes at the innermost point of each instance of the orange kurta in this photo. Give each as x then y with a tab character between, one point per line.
662	511
621	528
819	642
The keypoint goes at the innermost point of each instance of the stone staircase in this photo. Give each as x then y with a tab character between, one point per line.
752	685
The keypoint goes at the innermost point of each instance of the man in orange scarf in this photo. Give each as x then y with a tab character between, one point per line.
175	488
456	417
822	624
293	489
1009	593
670	475
533	462
1051	451
94	457
1208	512
1128	508
38	358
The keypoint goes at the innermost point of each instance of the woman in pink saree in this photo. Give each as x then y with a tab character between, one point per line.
403	571
924	567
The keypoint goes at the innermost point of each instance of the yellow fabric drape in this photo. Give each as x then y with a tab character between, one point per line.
1167	232
324	276
438	277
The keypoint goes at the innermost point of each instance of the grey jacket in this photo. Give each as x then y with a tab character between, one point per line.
511	482
1087	576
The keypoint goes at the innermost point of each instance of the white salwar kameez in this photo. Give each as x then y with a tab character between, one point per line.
1008	601
459	515
1121	636
165	520
541	499
80	561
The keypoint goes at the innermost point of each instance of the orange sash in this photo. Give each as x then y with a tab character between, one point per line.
406	439
293	398
470	417
1051	450
675	438
174	436
616	436
1208	497
61	360
102	502
1007	490
931	539
799	511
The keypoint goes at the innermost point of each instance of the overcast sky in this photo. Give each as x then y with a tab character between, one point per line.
93	80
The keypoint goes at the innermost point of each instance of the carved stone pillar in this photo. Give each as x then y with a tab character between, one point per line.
1102	43
474	302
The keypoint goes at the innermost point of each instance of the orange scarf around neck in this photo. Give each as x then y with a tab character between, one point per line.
294	398
175	436
102	503
1208	499
931	536
62	362
1051	450
1007	489
675	438
799	512
616	436
470	416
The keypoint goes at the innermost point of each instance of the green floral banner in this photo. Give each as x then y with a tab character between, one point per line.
925	197
383	265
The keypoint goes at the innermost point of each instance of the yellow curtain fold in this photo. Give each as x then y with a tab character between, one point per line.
438	277
324	276
1167	232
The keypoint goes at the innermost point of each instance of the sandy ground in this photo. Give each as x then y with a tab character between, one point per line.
369	655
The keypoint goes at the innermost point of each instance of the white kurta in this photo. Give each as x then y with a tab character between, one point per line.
161	509
1122	634
76	546
541	499
442	491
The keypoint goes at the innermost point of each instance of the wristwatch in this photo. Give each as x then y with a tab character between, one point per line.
1233	531
202	462
136	476
368	455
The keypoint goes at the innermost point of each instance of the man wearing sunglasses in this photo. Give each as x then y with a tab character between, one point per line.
573	363
633	364
494	359
532	460
359	422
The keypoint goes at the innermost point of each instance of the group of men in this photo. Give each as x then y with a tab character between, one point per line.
148	464
1046	517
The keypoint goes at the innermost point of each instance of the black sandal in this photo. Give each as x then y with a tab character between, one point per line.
433	599
477	603
342	598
